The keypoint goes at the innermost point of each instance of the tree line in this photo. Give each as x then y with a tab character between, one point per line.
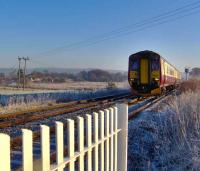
195	72
95	75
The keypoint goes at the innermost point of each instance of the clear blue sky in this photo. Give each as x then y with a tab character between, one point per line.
32	28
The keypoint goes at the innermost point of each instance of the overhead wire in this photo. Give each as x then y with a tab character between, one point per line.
166	17
141	29
139	25
13	69
40	63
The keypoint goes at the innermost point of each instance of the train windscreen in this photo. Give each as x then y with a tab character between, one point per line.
155	64
134	65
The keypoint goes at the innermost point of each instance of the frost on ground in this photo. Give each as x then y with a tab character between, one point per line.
167	136
16	102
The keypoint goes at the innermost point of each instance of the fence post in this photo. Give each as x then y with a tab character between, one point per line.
96	138
115	138
122	137
27	143
81	143
107	142
111	139
45	147
59	145
70	139
4	152
102	137
89	141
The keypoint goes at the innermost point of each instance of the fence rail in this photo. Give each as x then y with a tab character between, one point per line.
94	142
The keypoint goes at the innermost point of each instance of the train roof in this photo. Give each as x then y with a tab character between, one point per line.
152	52
145	52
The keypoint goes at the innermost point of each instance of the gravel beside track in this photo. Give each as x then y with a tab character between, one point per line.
137	106
32	120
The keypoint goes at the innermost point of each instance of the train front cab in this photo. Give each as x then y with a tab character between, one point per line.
145	75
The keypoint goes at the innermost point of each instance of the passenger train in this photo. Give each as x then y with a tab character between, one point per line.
151	74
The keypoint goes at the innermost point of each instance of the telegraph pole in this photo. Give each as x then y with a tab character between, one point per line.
25	59
19	72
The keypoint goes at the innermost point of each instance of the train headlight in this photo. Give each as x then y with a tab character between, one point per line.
133	79
156	81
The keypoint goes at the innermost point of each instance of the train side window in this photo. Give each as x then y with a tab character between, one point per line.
172	72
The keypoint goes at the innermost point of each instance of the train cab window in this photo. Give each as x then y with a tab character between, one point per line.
135	65
155	64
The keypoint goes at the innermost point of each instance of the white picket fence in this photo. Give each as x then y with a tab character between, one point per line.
103	147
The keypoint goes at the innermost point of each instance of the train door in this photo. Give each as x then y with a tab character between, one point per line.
144	71
164	73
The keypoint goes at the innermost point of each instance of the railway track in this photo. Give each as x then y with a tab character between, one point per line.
16	153
23	117
13	123
149	102
17	119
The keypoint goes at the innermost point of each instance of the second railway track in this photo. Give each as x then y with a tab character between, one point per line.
23	117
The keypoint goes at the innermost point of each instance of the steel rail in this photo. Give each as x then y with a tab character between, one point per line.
17	141
20	118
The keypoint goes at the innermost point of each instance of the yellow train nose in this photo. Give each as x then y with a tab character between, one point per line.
144	71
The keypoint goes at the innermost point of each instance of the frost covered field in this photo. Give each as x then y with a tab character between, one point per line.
167	136
74	85
11	102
